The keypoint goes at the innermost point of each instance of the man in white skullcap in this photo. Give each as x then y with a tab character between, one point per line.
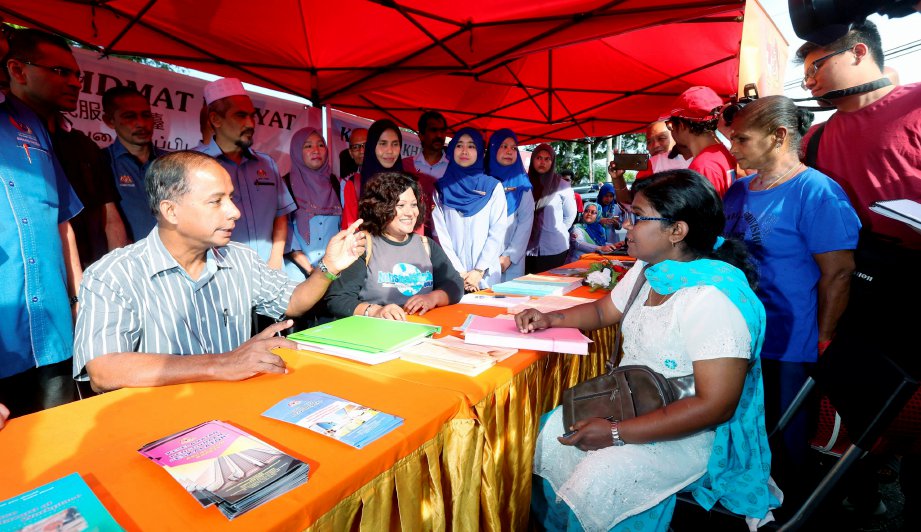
259	192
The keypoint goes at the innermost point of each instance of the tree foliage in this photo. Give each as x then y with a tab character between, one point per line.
574	155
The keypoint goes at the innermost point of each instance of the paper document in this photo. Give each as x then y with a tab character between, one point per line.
903	210
550	304
453	354
493	301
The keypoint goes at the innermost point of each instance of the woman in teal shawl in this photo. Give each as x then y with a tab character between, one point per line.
695	313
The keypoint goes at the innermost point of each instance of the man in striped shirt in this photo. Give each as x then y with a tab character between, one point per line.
186	289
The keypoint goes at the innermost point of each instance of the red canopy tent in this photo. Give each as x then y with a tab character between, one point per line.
553	69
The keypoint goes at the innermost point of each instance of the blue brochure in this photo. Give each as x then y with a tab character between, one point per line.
342	420
65	504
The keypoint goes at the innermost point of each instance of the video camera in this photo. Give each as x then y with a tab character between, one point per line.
824	21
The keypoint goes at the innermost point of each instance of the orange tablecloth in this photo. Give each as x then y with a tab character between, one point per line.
461	460
99	438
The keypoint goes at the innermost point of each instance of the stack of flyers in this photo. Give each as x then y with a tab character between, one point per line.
220	464
342	420
65	504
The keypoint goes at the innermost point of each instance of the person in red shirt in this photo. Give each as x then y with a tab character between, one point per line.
692	121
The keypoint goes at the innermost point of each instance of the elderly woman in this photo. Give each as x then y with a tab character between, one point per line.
694	314
318	213
588	236
470	213
506	166
554	213
801	231
401	273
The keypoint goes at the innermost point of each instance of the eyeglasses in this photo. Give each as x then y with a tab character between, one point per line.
590	212
634	218
813	69
357	147
63	72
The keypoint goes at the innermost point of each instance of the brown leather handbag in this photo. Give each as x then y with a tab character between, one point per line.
626	391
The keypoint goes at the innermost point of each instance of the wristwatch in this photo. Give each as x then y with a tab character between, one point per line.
329	275
615	436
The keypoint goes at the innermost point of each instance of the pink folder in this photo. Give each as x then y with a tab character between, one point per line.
504	333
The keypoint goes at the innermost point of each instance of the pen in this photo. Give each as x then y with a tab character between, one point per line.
225	317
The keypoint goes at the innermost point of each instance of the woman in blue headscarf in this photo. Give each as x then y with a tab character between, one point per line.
588	236
610	214
318	213
506	166
470	213
694	313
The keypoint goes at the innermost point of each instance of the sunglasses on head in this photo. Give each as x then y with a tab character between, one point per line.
736	104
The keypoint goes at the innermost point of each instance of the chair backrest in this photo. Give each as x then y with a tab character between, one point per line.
868	390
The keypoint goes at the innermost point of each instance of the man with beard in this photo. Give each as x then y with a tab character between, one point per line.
430	164
259	192
46	78
127	111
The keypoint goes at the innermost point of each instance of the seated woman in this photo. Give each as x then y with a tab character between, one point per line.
588	236
506	166
801	231
318	213
610	215
694	313
470	213
401	272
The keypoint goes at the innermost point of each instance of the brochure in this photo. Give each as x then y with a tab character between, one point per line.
538	285
345	421
220	464
550	304
65	504
450	353
904	210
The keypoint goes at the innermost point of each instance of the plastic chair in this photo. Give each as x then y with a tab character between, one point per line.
868	390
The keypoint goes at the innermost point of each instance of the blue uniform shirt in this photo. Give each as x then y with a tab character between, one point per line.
783	228
259	193
129	180
36	328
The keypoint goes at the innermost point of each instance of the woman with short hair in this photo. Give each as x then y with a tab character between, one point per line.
401	272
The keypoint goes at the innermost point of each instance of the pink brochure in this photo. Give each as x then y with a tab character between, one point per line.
504	333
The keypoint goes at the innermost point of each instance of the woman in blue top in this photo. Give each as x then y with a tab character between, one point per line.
318	213
506	166
588	236
801	231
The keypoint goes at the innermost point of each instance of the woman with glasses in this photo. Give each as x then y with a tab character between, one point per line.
686	308
470	213
316	219
801	231
589	236
506	166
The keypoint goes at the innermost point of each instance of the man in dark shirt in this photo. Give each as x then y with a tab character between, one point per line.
50	85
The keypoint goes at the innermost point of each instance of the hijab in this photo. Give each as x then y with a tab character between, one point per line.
606	210
466	189
544	184
370	166
595	230
311	189
513	177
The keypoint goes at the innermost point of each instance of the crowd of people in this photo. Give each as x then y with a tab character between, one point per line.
133	258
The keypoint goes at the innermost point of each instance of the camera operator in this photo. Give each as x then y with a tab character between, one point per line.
872	147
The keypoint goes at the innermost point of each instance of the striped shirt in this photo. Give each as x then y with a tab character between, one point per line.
138	299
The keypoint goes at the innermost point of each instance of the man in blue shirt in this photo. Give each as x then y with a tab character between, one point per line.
127	111
259	192
40	272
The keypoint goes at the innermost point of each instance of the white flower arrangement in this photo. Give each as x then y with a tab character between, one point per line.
603	275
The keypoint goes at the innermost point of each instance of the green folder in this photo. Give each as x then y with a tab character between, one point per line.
366	334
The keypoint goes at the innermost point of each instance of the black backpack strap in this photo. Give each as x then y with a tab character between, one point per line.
812	149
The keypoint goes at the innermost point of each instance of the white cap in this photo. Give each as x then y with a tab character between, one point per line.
222	88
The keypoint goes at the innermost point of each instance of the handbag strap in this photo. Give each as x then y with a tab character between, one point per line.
618	335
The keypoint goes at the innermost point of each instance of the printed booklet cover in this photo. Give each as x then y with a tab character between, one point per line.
220	464
342	420
67	504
